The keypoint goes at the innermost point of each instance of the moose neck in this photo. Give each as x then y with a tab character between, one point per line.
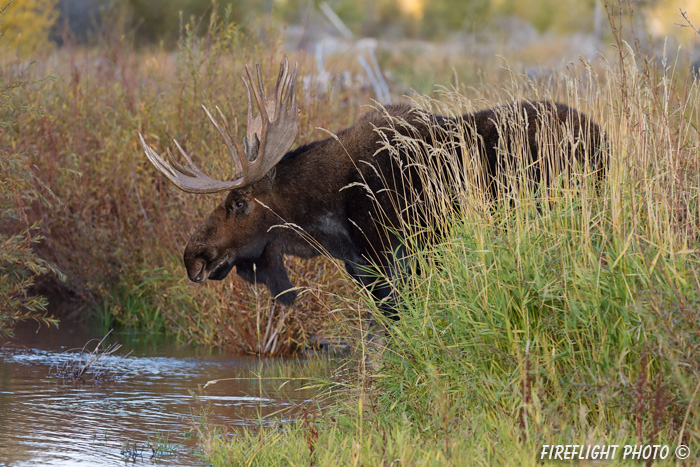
313	212
322	188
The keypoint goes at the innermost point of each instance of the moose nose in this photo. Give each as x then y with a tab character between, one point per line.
199	275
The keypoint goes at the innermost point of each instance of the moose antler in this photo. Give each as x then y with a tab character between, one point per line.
269	136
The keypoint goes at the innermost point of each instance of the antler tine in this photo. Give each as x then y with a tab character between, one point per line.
185	155
293	93
190	179
179	167
262	100
258	93
282	83
191	170
250	146
236	160
261	85
232	143
291	98
157	160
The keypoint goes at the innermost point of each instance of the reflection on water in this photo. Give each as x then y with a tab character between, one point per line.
47	420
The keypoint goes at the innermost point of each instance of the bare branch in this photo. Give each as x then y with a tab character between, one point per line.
684	14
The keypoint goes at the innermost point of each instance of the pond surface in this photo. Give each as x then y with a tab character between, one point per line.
150	397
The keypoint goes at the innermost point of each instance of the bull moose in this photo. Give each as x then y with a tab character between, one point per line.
334	196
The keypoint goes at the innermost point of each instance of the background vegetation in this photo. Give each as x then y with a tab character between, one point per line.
20	264
159	20
570	320
27	25
118	239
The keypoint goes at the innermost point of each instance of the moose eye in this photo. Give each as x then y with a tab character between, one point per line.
239	206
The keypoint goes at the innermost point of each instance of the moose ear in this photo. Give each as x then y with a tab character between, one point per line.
271	174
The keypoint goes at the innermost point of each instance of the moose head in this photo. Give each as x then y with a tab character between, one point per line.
237	232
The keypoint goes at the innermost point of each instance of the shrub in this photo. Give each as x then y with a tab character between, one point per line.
19	263
26	25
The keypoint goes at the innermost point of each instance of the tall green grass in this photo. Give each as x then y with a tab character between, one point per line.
558	315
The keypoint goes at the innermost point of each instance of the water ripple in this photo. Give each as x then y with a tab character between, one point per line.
48	420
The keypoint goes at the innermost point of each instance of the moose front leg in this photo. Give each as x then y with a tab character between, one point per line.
376	283
269	269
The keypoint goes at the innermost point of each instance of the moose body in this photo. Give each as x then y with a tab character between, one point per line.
340	196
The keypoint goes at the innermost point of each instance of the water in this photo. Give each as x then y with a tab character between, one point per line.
156	398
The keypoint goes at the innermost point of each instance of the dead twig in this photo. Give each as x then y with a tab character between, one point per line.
78	367
684	14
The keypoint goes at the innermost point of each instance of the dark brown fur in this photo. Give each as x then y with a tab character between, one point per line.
313	202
